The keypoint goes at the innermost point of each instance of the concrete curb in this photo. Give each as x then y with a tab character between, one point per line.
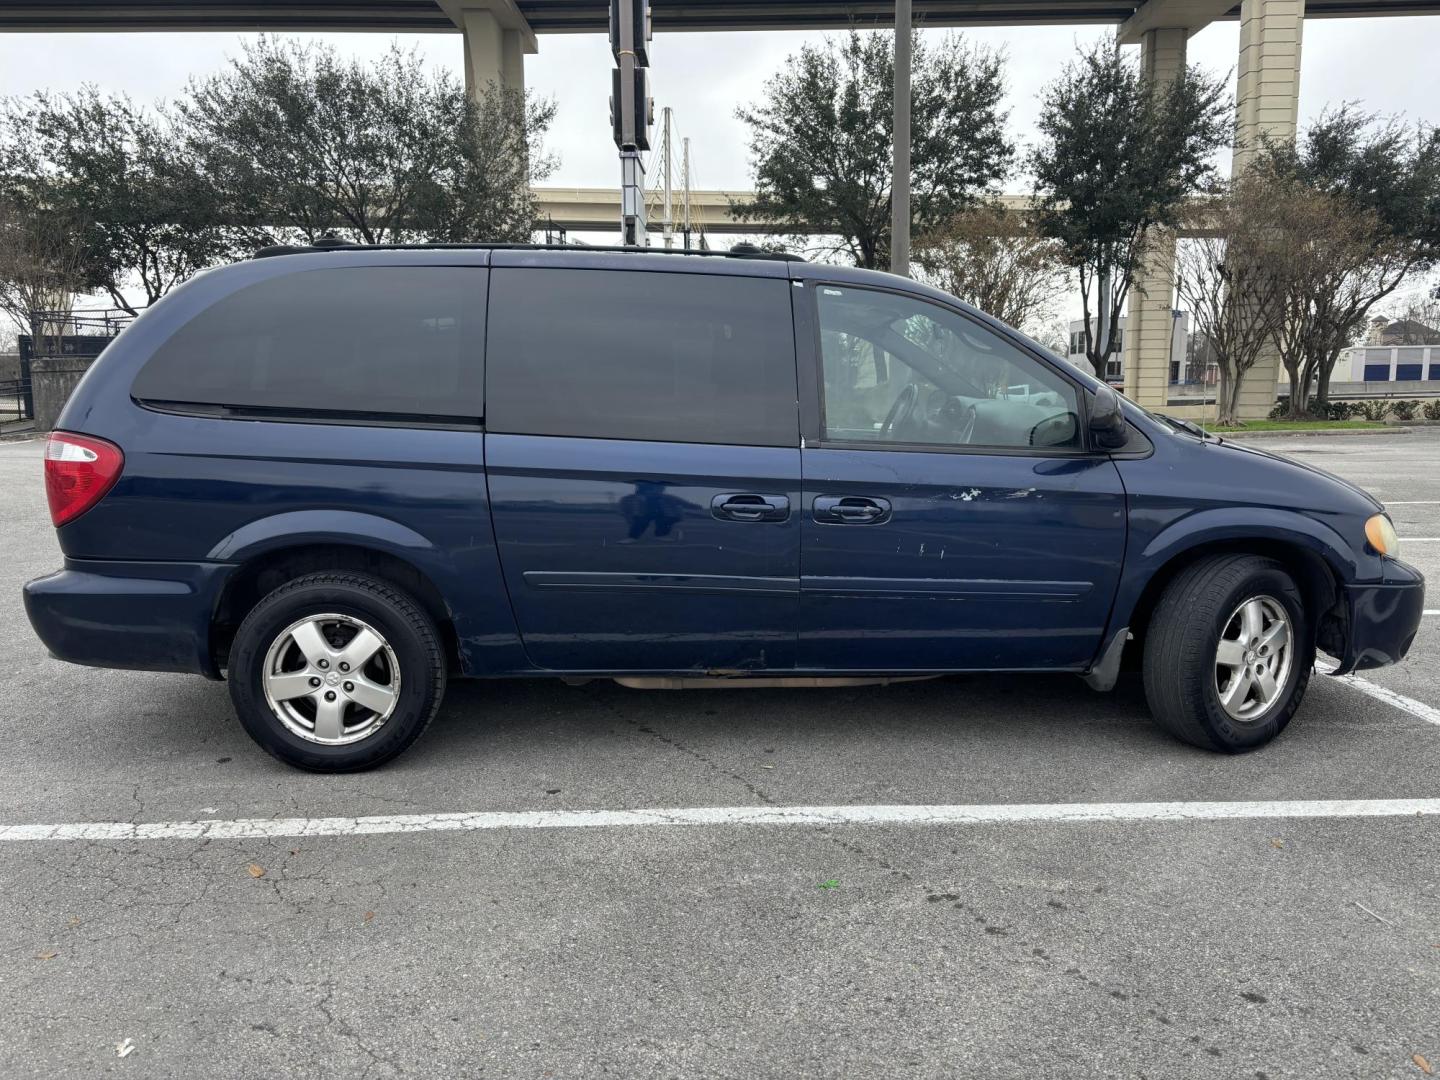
1246	436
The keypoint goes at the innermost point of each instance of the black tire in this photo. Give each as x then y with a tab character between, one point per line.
1180	658
393	614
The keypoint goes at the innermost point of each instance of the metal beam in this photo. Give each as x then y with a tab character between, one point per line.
591	16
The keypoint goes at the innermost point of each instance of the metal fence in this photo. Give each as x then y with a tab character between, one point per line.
53	357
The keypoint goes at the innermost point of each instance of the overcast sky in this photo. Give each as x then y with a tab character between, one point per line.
1388	64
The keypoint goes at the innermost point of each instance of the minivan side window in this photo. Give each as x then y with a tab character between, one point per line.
396	340
900	370
645	355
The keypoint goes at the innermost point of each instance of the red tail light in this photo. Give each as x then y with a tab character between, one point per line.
79	470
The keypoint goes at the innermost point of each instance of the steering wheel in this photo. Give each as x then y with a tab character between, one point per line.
901	411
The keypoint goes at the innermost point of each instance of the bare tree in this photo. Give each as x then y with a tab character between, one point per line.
1230	281
1377	181
990	257
1337	260
41	265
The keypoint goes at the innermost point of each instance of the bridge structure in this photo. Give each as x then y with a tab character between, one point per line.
498	34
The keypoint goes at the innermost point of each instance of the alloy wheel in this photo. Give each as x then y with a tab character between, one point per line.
331	679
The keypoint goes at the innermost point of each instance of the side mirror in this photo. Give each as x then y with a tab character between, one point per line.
1107	419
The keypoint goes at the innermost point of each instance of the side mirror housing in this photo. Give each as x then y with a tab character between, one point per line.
1107	419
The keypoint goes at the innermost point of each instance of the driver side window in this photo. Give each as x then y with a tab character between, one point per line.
900	370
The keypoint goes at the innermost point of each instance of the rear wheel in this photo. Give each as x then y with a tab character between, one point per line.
336	672
1229	653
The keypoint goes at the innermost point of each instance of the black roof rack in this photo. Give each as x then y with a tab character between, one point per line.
334	243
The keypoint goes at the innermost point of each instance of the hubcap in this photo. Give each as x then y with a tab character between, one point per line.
331	679
1252	660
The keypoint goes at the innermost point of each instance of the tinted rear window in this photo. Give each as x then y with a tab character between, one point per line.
641	355
400	340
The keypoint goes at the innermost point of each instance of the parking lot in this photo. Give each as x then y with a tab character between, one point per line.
1046	909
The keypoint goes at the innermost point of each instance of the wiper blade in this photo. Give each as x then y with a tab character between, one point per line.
1186	425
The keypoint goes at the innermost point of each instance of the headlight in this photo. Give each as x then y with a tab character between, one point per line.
1381	533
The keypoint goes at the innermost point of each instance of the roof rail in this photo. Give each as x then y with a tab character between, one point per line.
334	243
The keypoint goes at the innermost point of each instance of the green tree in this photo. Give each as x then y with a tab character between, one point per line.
142	219
820	139
298	142
1117	158
1231	278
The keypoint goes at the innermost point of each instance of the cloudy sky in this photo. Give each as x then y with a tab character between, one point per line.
1388	64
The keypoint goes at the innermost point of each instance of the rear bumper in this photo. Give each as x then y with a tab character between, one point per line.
1382	619
142	616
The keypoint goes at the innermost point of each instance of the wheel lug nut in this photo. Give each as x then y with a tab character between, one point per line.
314	681
344	666
349	686
323	664
329	695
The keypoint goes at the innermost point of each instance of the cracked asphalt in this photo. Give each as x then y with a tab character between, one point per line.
1139	949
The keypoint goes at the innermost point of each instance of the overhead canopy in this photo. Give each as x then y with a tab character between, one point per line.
590	16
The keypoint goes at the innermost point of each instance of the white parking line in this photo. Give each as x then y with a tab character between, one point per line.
1412	502
1419	709
996	814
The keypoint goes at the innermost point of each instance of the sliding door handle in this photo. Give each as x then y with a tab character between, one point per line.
750	507
850	510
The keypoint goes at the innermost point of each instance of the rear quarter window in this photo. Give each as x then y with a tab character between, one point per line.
404	340
617	354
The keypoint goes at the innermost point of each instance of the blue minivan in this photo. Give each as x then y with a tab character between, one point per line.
338	476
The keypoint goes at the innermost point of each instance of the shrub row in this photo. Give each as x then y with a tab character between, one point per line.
1375	409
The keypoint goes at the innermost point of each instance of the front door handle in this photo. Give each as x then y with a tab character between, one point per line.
749	507
850	510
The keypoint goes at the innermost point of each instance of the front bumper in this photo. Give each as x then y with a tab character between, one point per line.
142	616
1382	618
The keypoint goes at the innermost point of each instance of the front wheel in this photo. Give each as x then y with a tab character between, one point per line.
1229	653
336	672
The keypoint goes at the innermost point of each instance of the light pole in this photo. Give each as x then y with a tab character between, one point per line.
900	178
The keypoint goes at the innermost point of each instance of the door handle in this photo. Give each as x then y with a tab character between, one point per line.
850	510
749	507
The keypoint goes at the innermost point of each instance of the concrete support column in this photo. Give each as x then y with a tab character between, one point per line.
494	52
1267	93
1267	102
1149	324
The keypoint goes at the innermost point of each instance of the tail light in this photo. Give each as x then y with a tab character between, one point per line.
79	470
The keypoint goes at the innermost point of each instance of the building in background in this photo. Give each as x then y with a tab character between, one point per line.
1387	363
1192	370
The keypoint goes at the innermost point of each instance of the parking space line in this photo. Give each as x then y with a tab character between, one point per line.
995	814
1419	709
1412	502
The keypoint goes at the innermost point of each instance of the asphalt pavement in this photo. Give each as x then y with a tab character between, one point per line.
1121	943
